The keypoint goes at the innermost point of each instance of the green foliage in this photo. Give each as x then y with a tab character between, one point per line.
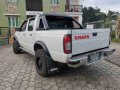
91	14
113	37
112	34
112	15
116	40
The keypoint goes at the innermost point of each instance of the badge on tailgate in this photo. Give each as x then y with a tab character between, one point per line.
81	37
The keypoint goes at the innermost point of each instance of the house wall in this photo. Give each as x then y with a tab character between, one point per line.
21	10
48	8
3	19
75	2
74	14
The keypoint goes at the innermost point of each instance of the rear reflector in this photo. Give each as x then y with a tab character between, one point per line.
67	44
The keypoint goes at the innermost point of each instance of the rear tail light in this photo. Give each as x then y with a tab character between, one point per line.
67	44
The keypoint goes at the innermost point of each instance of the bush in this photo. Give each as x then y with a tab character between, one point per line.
113	39
113	35
116	40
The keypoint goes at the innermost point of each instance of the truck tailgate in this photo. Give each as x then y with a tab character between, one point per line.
88	40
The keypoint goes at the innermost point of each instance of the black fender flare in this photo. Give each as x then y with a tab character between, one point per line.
15	38
51	65
42	44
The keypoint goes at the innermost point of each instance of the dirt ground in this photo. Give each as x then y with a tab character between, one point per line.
115	58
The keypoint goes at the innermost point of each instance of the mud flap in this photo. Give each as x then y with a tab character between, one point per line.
52	66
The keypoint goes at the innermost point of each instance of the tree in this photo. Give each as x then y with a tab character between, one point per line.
111	15
91	14
117	29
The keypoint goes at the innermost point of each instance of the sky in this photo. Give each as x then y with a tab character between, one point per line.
104	5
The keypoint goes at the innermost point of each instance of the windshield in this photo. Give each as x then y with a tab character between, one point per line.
62	22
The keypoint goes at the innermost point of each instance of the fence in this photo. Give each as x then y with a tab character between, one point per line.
101	24
4	35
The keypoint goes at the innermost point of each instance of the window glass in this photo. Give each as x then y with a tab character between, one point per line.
61	22
13	1
9	21
13	21
16	21
75	25
31	24
57	1
41	25
51	1
23	27
34	5
74	2
54	2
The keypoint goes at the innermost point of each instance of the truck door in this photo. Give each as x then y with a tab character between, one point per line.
30	35
22	34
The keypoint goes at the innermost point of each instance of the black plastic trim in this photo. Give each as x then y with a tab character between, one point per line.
89	51
44	47
52	66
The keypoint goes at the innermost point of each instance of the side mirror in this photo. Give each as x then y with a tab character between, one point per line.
17	29
30	28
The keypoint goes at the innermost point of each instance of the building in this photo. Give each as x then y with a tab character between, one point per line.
34	7
14	12
74	9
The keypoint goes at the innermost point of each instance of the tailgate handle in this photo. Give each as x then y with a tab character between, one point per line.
95	34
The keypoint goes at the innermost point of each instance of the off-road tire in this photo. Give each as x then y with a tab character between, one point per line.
41	62
16	47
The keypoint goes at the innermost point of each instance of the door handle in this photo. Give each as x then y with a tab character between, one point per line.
95	34
30	34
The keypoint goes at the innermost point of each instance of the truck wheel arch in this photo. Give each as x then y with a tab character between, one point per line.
52	66
41	45
15	38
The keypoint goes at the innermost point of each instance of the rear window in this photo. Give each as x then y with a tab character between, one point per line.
62	22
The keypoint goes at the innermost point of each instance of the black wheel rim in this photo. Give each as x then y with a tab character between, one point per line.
39	63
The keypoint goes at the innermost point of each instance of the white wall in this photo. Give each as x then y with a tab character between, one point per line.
80	16
80	19
76	2
76	14
90	26
80	2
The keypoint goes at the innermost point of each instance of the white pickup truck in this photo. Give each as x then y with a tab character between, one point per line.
55	39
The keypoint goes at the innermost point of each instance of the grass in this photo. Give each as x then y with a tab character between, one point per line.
116	40
113	37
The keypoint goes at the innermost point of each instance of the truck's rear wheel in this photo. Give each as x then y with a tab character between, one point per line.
41	62
16	47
